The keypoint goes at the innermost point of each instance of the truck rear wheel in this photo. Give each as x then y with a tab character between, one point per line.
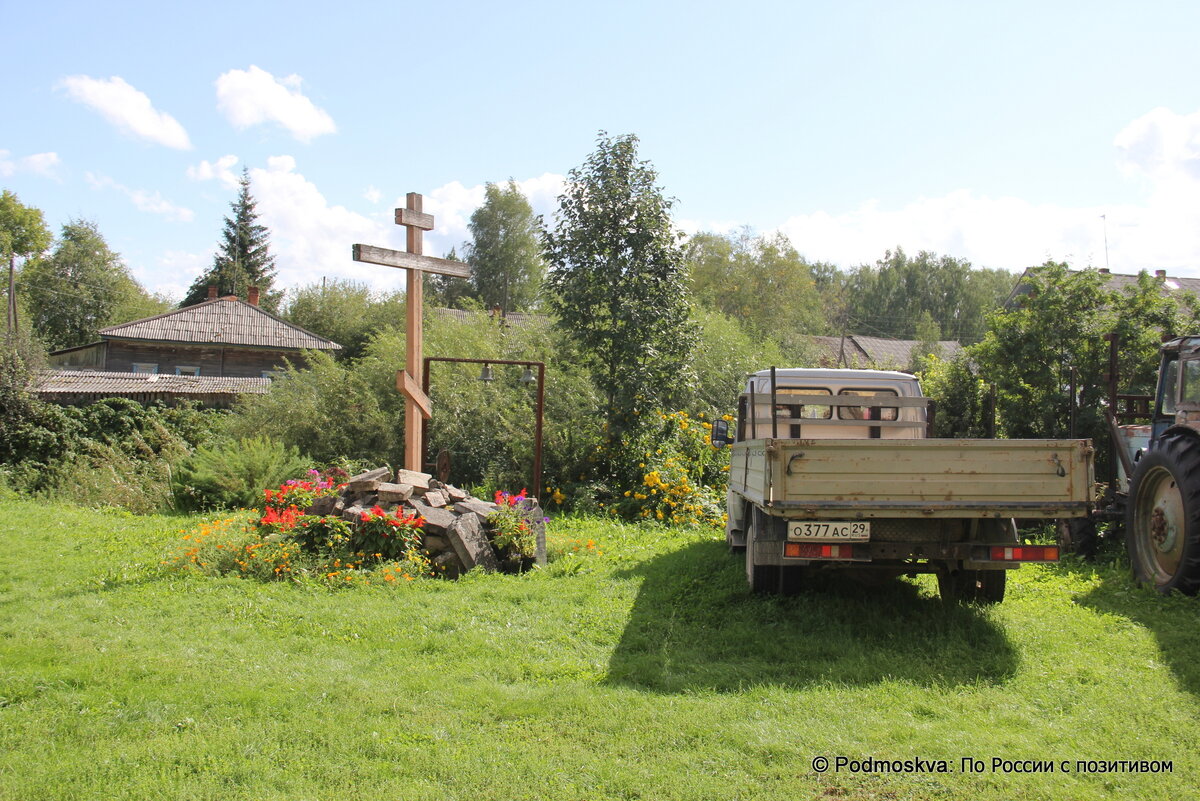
972	586
762	578
1162	525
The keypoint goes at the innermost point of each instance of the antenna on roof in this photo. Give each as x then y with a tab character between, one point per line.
1104	217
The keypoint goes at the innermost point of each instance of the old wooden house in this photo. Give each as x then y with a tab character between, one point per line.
215	342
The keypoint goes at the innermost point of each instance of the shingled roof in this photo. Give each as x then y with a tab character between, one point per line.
860	351
222	321
90	385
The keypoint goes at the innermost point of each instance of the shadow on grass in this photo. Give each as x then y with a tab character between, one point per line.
1174	621
695	626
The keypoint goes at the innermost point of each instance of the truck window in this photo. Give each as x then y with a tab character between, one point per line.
785	408
867	412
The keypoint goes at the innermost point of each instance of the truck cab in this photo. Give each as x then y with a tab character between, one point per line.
788	404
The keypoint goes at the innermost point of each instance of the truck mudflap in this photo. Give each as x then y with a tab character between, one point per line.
972	555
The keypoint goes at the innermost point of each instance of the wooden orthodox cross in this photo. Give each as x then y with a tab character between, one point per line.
417	408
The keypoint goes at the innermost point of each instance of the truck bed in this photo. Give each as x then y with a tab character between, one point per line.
918	478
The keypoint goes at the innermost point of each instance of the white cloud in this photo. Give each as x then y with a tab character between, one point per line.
143	199
988	232
44	164
1160	149
180	267
373	195
310	237
221	169
128	109
255	96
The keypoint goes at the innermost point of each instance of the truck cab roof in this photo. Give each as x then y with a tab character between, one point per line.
904	383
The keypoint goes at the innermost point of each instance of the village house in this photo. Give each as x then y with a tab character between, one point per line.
211	352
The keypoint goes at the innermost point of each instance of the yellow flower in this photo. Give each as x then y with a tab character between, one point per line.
558	496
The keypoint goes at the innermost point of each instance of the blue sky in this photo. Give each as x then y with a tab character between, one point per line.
995	132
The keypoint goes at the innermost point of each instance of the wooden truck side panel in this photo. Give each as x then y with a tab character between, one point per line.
923	478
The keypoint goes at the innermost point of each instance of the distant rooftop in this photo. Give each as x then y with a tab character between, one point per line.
1117	282
75	385
855	350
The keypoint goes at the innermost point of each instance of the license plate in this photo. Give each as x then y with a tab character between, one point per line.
830	531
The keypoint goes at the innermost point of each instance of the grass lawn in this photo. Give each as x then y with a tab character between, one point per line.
645	671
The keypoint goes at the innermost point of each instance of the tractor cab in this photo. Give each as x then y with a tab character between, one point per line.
1177	400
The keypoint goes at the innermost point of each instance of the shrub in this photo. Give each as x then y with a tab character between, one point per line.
679	477
229	474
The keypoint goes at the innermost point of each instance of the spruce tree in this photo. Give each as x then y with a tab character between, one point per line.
244	259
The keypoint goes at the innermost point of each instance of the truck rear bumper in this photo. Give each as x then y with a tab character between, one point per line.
919	557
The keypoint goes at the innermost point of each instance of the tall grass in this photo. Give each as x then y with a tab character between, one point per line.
636	667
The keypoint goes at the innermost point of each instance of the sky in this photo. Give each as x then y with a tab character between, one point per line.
1005	134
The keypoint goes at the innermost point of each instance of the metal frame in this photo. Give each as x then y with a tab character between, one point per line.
540	409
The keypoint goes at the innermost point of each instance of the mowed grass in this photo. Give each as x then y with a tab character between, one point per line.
646	671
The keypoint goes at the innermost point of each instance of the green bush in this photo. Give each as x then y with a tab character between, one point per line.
231	474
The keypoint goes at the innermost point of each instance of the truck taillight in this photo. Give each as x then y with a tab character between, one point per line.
812	550
1025	553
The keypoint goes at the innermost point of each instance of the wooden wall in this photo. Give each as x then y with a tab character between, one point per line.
213	360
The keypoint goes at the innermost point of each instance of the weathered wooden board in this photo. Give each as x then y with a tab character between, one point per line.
410	261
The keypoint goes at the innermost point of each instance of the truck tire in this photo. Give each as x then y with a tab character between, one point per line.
972	586
1162	523
763	579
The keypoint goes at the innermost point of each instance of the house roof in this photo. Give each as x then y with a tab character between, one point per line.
1115	282
223	321
861	351
91	384
899	351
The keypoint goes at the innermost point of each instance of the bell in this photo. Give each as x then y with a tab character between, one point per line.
486	373
528	377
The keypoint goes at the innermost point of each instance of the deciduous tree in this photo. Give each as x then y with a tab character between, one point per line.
80	288
23	233
505	251
618	280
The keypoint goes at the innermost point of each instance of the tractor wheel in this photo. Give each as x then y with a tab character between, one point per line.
972	586
1162	524
762	578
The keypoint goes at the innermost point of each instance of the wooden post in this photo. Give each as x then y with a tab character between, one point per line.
415	264
414	304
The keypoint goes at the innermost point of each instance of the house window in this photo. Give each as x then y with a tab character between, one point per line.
181	370
145	367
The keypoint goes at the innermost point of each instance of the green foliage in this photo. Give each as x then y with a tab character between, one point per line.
889	298
80	288
36	434
725	353
347	312
231	473
23	231
1058	324
243	259
23	234
679	477
961	396
618	281
505	250
329	410
763	282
